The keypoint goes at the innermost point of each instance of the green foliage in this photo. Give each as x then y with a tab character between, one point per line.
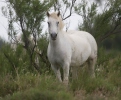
21	82
88	15
100	25
14	61
43	44
17	61
28	15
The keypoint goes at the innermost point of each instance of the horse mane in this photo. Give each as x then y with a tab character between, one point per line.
55	16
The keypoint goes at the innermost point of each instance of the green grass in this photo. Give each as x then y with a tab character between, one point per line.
38	94
32	86
107	84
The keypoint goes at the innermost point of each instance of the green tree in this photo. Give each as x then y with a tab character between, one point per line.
28	16
25	17
101	25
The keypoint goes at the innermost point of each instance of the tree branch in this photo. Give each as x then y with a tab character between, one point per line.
113	31
36	67
73	2
64	12
26	41
12	64
107	35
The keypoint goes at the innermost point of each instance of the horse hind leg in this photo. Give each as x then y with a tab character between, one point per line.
75	73
91	66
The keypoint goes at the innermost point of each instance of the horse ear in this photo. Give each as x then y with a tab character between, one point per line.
58	14
48	14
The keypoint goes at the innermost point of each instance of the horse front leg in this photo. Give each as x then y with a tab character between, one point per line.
66	74
57	72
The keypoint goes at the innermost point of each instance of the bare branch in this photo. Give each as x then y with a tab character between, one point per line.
113	31
107	35
72	5
64	12
56	5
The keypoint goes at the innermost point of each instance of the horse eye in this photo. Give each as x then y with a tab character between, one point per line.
48	23
57	23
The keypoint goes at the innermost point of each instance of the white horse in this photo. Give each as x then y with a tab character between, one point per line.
69	49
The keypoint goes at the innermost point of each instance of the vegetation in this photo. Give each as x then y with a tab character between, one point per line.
23	78
22	83
103	26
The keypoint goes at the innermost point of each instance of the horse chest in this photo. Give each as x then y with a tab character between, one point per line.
56	57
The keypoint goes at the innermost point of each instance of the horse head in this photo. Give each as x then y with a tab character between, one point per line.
55	24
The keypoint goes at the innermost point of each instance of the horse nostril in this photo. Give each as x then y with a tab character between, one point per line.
53	36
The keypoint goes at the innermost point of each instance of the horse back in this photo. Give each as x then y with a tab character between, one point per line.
83	46
90	39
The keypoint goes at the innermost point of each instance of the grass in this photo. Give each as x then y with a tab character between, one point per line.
38	94
106	85
32	86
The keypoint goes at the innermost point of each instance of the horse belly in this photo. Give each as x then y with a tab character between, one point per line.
81	52
79	59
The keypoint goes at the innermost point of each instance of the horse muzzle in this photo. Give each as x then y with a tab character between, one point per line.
53	36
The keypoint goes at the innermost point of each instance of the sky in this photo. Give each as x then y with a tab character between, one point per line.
74	20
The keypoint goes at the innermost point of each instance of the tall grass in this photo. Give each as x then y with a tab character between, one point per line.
33	87
23	83
107	84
